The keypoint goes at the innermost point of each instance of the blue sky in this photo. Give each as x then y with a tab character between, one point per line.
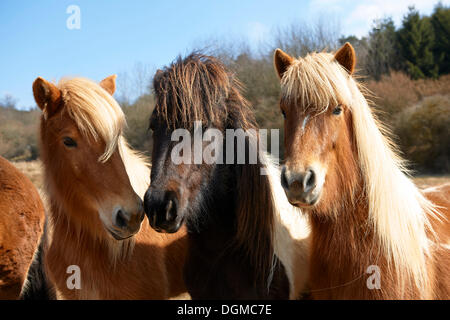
116	35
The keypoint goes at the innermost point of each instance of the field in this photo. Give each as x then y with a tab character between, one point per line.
33	170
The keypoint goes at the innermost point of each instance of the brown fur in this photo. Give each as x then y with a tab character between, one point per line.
349	244
109	84
21	223
344	240
281	61
346	57
152	271
75	181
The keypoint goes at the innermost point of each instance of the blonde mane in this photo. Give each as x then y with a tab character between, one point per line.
310	83
94	110
292	232
397	209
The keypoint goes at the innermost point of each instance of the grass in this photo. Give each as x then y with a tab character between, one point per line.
33	170
430	181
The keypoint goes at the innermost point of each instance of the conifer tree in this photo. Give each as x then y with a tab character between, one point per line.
416	40
440	21
383	50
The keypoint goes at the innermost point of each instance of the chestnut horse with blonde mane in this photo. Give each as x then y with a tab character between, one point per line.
375	235
21	223
94	184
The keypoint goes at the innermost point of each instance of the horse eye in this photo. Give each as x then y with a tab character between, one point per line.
283	113
69	142
337	111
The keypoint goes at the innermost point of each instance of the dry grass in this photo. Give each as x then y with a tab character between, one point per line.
430	181
33	170
397	91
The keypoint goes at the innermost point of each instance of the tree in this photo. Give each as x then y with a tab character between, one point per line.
440	21
8	102
382	49
361	48
416	40
299	39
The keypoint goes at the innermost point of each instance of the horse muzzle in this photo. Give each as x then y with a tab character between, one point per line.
161	208
124	223
302	188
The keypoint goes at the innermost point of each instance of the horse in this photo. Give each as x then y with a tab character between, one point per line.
245	240
21	223
375	234
95	183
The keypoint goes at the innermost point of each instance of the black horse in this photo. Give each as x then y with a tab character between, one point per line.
229	207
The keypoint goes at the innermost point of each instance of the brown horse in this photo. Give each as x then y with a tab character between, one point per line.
94	184
374	234
21	222
246	240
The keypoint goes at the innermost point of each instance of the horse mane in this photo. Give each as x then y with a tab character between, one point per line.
98	116
199	88
96	113
255	219
310	84
398	212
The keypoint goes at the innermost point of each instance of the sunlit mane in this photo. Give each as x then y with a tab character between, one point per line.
94	110
312	85
397	209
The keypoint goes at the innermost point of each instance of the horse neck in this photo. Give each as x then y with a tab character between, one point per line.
228	193
218	212
342	235
254	215
346	243
77	240
69	234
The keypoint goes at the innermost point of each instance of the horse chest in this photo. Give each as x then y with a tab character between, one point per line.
220	273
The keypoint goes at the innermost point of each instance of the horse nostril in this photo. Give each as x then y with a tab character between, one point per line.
153	219
309	181
171	210
121	219
284	182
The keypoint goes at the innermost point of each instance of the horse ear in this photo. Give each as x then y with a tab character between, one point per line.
282	61
346	57
109	84
47	96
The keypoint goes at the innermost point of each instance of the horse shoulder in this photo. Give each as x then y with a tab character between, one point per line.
440	197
